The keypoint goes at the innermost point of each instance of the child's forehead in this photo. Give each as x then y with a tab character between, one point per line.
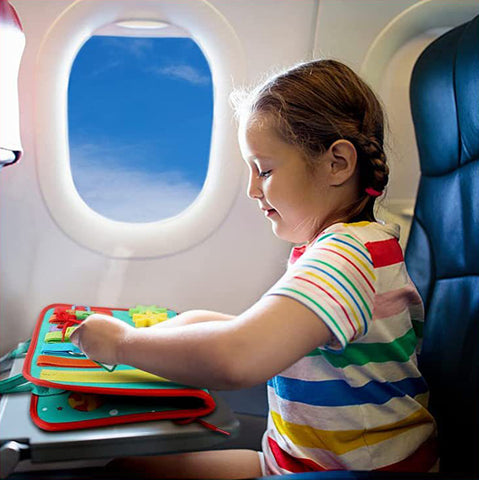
260	130
261	138
264	144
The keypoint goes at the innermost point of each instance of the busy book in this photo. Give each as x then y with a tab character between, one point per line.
71	391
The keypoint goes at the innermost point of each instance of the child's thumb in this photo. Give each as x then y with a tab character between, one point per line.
75	338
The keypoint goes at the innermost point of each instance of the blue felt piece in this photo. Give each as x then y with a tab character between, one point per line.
65	348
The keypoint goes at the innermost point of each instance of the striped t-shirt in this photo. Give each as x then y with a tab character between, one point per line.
359	402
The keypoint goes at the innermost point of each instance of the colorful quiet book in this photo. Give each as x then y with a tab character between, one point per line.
73	392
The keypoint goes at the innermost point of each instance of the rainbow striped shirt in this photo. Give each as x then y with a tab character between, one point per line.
359	402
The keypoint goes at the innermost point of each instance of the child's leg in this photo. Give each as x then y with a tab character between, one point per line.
213	464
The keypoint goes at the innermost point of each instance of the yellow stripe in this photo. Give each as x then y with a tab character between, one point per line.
423	399
364	223
349	252
343	441
118	376
346	301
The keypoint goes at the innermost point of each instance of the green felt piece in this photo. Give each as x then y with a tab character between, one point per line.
147	308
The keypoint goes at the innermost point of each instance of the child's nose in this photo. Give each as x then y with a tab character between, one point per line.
254	188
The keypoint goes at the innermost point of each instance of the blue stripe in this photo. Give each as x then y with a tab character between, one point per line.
346	290
55	348
338	393
355	248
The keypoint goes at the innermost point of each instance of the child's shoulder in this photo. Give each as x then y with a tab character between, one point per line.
365	231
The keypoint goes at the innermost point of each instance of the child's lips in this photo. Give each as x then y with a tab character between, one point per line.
268	212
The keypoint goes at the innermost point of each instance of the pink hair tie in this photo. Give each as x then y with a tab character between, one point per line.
373	193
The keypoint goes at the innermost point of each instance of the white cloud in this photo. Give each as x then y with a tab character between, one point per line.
126	194
104	68
183	72
142	49
138	47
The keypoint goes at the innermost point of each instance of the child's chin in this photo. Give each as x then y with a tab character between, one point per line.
285	235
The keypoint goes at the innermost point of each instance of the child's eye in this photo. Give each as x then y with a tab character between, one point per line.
264	174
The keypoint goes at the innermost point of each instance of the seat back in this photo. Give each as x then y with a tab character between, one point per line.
443	249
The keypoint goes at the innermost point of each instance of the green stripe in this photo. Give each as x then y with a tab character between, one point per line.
347	279
398	350
319	306
418	328
323	237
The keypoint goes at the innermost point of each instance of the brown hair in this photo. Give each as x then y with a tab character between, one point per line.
316	103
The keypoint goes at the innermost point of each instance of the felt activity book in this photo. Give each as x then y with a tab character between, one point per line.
73	392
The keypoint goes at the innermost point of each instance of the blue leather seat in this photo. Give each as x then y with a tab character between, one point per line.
443	249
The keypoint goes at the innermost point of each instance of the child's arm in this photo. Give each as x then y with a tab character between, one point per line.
247	350
193	316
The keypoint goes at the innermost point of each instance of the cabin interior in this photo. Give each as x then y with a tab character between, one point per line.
219	253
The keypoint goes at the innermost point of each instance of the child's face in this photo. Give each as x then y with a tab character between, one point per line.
295	200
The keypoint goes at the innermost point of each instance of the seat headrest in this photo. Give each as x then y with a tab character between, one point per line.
441	100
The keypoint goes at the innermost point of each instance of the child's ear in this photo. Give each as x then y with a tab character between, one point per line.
343	160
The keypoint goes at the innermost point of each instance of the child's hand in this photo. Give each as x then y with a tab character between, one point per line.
100	337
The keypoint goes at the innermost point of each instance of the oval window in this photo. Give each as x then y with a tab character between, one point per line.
140	114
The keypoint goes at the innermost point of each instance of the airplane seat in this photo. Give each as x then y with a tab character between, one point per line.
12	44
442	251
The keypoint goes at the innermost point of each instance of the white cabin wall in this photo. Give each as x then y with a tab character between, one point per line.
22	217
347	28
40	264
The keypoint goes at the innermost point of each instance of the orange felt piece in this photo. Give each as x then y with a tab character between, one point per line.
52	361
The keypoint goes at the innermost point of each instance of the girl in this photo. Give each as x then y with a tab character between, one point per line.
335	336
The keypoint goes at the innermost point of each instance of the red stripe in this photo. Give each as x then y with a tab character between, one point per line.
296	253
385	252
327	293
422	460
353	264
290	463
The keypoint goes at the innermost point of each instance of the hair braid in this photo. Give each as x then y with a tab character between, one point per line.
374	171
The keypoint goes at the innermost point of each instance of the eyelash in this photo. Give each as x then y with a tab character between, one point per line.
265	174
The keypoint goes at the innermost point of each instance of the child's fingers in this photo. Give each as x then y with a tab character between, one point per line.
75	337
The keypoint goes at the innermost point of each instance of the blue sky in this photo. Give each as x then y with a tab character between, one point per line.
139	115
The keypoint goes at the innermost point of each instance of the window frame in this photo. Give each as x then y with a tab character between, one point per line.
220	45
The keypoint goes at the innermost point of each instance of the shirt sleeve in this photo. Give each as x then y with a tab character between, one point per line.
335	279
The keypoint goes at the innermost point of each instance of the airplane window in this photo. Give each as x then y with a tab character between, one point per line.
140	114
